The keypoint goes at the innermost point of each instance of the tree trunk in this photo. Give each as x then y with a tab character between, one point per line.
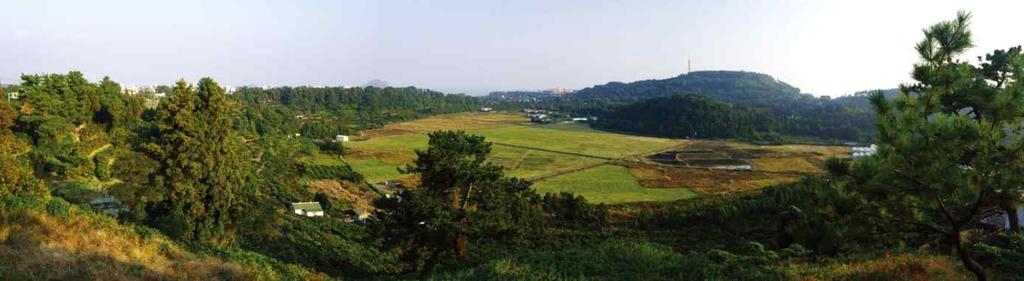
965	257
429	265
1011	216
460	246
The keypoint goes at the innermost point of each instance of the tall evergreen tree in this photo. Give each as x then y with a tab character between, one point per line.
951	144
202	165
460	197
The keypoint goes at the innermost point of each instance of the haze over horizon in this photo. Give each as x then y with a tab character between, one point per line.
825	47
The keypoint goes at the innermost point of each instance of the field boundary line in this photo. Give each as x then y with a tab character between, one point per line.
567	171
554	151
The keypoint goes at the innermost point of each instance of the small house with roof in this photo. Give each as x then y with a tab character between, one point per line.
307	209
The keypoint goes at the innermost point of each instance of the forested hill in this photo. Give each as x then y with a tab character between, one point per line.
729	86
323	112
797	113
694	116
314	99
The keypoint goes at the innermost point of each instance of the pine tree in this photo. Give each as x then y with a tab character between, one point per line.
460	197
951	144
202	165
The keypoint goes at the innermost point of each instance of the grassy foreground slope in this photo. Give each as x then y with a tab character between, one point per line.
609	184
57	241
644	261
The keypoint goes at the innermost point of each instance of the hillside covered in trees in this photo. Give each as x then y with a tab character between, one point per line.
795	113
324	112
689	116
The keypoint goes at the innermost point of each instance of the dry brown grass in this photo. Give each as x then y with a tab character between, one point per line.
899	267
463	121
707	181
91	247
359	195
394	158
786	165
823	151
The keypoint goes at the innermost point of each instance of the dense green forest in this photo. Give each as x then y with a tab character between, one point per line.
689	116
324	112
795	113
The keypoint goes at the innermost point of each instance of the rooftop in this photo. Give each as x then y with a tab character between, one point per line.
308	206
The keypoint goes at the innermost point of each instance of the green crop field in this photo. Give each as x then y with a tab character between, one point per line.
527	151
529	163
609	184
379	160
375	170
601	144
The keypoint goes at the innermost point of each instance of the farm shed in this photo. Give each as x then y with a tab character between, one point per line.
308	209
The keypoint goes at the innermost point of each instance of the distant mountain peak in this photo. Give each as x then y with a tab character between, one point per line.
376	83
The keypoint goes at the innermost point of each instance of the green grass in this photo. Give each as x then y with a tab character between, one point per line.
574	127
590	143
609	184
527	163
408	142
327	160
377	159
375	170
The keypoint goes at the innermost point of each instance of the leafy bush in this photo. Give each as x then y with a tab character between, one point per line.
627	260
58	207
567	209
1003	254
342	172
102	162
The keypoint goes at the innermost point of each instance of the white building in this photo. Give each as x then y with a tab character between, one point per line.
308	209
340	138
13	95
863	151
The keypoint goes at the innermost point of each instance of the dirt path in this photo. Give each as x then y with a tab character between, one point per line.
566	171
98	150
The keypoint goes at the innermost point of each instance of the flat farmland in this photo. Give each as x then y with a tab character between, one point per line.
377	159
610	184
601	166
463	121
593	143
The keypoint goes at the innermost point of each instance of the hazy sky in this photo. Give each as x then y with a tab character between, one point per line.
823	47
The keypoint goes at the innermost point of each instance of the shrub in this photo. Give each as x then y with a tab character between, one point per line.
58	207
567	209
342	172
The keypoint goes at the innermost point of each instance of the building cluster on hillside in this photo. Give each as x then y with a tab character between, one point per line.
546	116
134	90
539	115
863	151
530	95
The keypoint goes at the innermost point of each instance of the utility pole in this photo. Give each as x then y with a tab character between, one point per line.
687	65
